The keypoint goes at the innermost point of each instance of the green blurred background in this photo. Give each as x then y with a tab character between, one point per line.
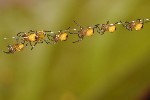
113	66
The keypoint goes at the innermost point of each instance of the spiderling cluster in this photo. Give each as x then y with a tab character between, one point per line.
32	38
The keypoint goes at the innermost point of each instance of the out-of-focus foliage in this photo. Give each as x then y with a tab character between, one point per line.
102	67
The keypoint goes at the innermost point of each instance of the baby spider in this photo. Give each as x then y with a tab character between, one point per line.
102	28
137	24
33	37
60	36
89	31
14	48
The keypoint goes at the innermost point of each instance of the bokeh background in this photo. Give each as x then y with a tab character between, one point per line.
113	66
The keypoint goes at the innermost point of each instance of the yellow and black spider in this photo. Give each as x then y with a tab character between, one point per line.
136	24
102	28
82	32
59	36
14	48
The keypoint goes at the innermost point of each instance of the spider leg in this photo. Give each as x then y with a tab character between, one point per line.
46	41
73	33
34	45
124	24
30	44
97	27
53	41
98	30
48	36
7	52
107	22
77	24
20	34
101	30
26	44
40	41
68	29
94	29
80	38
31	31
46	32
